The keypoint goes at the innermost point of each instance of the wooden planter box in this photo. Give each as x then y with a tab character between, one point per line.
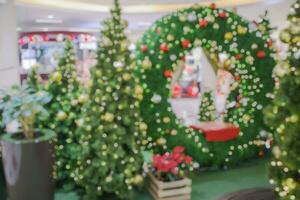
176	190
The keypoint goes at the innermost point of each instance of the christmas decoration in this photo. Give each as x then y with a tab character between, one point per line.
252	85
207	111
284	114
64	110
113	133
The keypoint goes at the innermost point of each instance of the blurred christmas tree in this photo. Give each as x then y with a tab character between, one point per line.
284	115
64	109
207	108
112	129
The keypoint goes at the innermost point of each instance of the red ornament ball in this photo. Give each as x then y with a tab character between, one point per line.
183	58
261	54
164	47
237	78
213	6
203	23
238	56
185	43
144	48
168	73
223	15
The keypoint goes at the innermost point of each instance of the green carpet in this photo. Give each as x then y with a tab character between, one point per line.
212	185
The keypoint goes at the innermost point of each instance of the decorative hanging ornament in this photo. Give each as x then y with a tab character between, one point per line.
147	64
241	30
222	15
164	47
170	37
168	73
185	43
261	54
238	56
144	48
203	23
182	17
192	17
213	6
156	98
270	43
228	36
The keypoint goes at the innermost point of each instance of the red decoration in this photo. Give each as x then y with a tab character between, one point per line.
203	23
261	54
238	56
237	78
183	58
213	6
223	15
164	47
270	43
176	91
185	43
168	73
144	48
218	131
192	91
171	162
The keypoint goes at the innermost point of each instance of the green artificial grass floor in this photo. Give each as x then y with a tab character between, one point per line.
214	184
211	185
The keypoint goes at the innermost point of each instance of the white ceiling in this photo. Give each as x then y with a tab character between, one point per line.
76	19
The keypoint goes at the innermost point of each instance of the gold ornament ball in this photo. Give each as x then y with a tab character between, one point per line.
166	120
161	141
146	64
138	180
109	117
138	90
170	38
290	183
83	98
182	17
174	132
126	76
61	115
285	36
56	77
242	30
143	126
228	36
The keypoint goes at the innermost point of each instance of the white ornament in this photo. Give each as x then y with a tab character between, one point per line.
192	17
156	98
173	57
118	64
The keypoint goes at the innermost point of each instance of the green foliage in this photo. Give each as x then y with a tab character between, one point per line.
207	108
22	105
65	109
283	115
112	130
250	62
33	79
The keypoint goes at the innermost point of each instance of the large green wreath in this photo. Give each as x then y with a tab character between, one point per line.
166	43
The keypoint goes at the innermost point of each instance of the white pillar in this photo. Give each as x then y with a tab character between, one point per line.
9	62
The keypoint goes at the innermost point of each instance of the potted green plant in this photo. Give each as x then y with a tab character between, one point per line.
27	153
